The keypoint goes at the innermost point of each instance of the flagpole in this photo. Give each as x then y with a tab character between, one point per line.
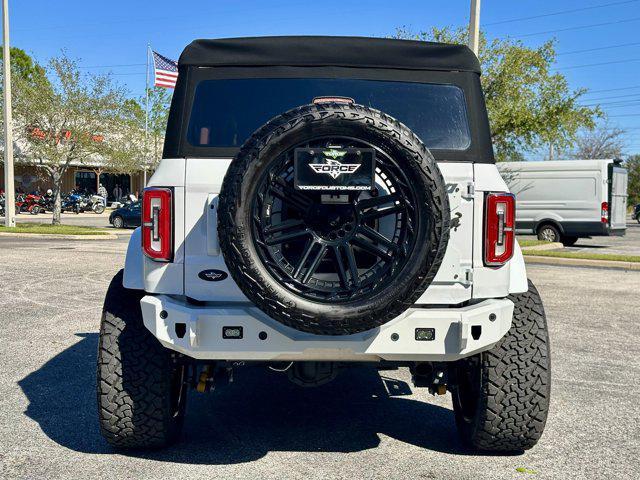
146	119
9	187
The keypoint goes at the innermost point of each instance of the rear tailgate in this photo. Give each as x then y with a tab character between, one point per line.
452	284
618	178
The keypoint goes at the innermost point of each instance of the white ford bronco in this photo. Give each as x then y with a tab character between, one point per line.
324	202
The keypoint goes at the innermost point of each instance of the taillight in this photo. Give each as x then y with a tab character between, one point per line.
604	212
499	228
157	224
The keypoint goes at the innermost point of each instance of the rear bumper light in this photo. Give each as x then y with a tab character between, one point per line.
157	224
499	228
199	333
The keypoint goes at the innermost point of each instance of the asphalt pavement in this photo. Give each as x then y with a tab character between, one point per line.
365	424
628	244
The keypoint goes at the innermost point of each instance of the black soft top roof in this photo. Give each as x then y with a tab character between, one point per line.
329	51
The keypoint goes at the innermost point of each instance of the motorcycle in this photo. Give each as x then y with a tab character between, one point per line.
32	203
46	202
74	202
20	203
124	201
96	203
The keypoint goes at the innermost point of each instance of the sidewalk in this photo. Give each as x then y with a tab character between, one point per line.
88	219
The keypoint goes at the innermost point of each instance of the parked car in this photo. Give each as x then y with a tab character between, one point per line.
127	216
636	213
564	200
295	223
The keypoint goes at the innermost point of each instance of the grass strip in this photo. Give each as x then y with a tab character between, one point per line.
530	243
584	256
44	228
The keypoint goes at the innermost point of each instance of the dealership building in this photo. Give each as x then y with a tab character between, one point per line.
30	178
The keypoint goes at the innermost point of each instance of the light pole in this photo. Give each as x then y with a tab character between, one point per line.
9	195
474	26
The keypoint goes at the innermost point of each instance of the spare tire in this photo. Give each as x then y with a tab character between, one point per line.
333	264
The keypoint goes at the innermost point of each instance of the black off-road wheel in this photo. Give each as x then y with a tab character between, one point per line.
501	400
333	266
141	385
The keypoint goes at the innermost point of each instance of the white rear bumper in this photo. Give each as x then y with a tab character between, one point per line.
456	333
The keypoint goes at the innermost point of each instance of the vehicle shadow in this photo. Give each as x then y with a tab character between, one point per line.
261	411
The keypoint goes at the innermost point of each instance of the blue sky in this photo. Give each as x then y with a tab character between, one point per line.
112	36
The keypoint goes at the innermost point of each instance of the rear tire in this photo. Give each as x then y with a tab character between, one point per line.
549	233
141	387
569	241
501	400
98	208
118	222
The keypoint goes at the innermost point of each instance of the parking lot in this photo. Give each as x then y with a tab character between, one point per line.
629	244
365	424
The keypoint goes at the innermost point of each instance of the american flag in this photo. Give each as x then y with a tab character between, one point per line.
165	71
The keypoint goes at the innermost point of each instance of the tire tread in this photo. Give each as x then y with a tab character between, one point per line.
134	370
516	382
241	262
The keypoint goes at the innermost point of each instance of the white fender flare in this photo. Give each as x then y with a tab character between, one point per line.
134	263
517	272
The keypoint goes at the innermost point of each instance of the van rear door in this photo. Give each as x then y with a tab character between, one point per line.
618	178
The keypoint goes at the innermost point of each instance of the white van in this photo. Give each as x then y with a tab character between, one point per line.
561	201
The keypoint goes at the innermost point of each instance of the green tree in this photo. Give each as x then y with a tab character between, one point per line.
159	102
68	117
138	150
529	105
126	151
633	166
24	67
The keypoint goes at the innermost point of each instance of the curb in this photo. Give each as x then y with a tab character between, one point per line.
582	262
546	246
49	236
